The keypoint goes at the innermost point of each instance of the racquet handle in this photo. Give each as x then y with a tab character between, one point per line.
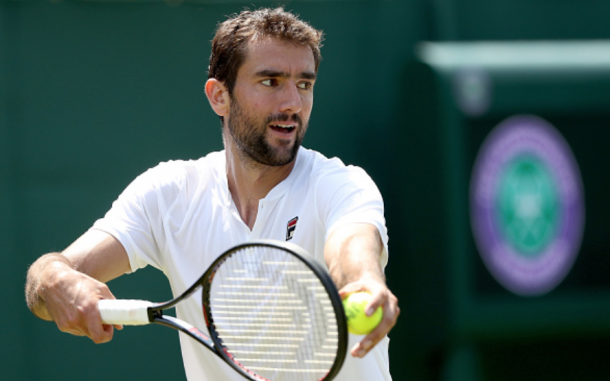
124	311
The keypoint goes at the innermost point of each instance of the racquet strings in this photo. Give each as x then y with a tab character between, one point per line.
273	315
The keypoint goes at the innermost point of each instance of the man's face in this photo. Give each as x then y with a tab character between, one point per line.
272	101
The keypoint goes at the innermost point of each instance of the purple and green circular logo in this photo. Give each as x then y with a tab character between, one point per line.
527	208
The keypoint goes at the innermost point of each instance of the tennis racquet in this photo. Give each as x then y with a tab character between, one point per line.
272	313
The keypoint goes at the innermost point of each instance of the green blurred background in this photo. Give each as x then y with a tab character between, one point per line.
92	93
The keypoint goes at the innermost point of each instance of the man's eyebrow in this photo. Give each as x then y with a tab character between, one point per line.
308	75
270	73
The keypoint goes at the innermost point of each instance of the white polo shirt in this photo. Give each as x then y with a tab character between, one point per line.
180	216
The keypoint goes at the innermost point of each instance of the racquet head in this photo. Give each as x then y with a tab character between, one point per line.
274	313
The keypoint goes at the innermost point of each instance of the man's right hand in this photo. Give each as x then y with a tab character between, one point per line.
66	287
70	299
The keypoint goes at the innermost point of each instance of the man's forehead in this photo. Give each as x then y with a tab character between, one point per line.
278	54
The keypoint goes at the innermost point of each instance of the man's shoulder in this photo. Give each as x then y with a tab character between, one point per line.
175	174
316	162
320	166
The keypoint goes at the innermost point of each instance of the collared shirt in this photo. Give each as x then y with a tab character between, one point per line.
179	216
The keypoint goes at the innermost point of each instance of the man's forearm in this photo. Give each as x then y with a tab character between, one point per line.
353	253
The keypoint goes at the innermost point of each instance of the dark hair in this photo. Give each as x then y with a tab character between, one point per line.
232	37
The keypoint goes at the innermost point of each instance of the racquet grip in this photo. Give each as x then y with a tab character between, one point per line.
124	311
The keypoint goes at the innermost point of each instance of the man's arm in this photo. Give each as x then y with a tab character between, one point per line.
352	253
65	287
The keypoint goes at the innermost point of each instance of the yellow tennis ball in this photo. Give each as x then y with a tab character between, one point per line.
357	321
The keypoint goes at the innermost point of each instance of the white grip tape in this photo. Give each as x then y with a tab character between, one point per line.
124	311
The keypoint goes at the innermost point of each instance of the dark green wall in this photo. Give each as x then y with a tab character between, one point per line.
93	93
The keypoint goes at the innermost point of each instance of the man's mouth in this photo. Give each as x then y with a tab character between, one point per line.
284	128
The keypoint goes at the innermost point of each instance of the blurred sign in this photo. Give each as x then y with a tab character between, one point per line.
472	90
527	209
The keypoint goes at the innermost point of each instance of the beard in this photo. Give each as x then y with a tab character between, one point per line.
250	137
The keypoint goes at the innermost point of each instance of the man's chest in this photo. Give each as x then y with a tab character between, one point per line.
193	247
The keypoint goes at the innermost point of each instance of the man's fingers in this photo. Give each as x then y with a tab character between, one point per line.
98	332
350	289
362	348
378	300
106	294
381	297
85	320
72	332
72	302
369	341
389	303
102	333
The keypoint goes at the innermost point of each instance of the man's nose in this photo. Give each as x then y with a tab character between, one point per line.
291	99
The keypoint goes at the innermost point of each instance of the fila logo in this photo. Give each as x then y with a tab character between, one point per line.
292	225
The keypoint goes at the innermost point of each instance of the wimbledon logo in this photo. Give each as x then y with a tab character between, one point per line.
526	205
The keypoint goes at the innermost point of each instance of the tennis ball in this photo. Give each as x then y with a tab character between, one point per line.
357	321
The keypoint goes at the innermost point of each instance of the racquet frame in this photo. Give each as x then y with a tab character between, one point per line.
213	343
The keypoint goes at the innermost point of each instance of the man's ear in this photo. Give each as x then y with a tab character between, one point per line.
218	96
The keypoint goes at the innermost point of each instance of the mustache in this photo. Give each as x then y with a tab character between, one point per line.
283	118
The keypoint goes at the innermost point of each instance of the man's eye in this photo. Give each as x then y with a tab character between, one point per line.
305	85
269	82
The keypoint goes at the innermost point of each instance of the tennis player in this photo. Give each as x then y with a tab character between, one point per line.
180	215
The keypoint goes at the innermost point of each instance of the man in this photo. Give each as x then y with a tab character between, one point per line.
180	215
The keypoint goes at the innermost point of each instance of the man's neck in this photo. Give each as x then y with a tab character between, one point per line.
250	182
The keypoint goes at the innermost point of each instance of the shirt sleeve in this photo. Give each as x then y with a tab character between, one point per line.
348	195
135	219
